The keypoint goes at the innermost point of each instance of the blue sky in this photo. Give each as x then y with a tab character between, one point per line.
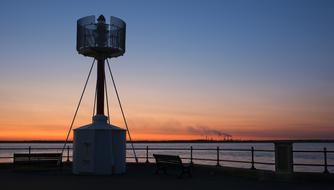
244	60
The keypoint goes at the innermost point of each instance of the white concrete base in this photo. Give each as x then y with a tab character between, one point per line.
99	148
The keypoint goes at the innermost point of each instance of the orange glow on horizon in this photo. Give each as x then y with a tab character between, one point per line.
46	116
52	133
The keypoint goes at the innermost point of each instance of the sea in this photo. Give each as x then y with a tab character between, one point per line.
203	153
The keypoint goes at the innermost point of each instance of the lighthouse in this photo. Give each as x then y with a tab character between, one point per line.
99	148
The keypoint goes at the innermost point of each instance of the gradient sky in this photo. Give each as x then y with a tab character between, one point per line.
253	69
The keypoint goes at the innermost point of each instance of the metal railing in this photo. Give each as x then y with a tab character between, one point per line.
218	159
325	164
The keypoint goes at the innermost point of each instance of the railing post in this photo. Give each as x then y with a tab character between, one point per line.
218	156
147	155
191	155
325	160
252	150
29	151
68	153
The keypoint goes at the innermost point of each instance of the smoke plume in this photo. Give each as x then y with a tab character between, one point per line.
206	131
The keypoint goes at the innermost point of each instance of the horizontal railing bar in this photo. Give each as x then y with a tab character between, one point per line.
255	150
5	157
300	164
234	149
309	151
213	160
204	159
11	157
156	148
14	148
238	161
184	149
31	148
313	151
265	163
159	148
208	159
200	149
139	148
260	150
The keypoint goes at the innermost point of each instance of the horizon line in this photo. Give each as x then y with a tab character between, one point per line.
185	141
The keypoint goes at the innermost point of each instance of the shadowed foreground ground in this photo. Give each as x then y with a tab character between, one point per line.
142	177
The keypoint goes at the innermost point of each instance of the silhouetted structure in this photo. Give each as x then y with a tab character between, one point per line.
99	148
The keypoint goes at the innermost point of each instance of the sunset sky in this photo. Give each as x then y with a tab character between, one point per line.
253	69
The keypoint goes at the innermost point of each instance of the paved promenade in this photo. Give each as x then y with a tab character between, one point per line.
142	177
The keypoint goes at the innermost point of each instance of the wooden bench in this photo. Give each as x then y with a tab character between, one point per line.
170	161
38	159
